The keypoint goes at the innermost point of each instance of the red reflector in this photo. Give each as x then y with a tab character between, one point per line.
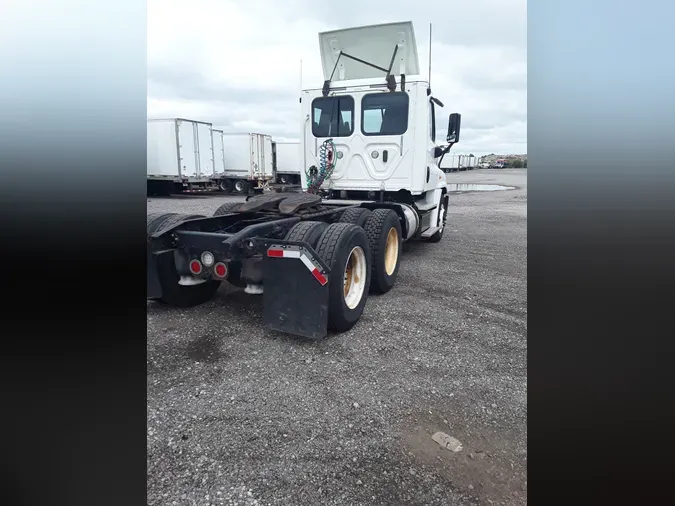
195	267
275	253
220	270
319	277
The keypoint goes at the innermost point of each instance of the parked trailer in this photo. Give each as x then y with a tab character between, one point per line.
218	151
463	162
450	163
287	162
179	155
470	162
369	186
247	163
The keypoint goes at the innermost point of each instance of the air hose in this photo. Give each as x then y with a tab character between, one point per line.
315	178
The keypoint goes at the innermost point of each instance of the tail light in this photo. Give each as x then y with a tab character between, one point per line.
195	267
220	270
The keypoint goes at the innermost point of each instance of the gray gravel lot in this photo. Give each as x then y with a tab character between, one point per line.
241	415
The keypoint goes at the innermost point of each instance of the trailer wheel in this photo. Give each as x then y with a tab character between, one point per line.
241	186
356	215
344	248
225	185
442	216
173	293
226	208
283	179
307	231
385	237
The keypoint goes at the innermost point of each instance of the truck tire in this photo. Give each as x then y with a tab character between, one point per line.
283	179
158	221
173	293
307	231
442	216
241	186
155	220
356	215
384	235
345	250
225	185
226	208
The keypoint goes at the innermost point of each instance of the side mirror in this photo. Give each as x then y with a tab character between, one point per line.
438	151
453	127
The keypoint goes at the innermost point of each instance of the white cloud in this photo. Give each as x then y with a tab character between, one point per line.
237	64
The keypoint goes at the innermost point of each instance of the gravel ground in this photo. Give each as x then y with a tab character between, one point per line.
241	415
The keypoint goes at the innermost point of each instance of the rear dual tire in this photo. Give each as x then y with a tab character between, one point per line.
356	215
383	228
307	231
241	186
385	237
225	185
344	248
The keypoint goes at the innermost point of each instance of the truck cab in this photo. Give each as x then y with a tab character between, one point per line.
380	117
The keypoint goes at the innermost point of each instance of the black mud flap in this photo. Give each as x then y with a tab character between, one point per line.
154	287
295	295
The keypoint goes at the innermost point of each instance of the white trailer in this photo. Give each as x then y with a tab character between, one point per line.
470	162
218	151
450	163
463	162
247	163
179	155
287	162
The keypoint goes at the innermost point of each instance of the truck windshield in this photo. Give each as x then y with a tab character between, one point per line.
384	113
333	116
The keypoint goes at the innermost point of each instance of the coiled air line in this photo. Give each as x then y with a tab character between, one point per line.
327	159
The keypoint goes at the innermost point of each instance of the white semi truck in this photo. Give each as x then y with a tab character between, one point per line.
179	155
287	156
247	162
370	181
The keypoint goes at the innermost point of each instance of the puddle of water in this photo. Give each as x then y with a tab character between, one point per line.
471	187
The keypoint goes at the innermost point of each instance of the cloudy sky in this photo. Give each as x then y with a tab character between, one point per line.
236	63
